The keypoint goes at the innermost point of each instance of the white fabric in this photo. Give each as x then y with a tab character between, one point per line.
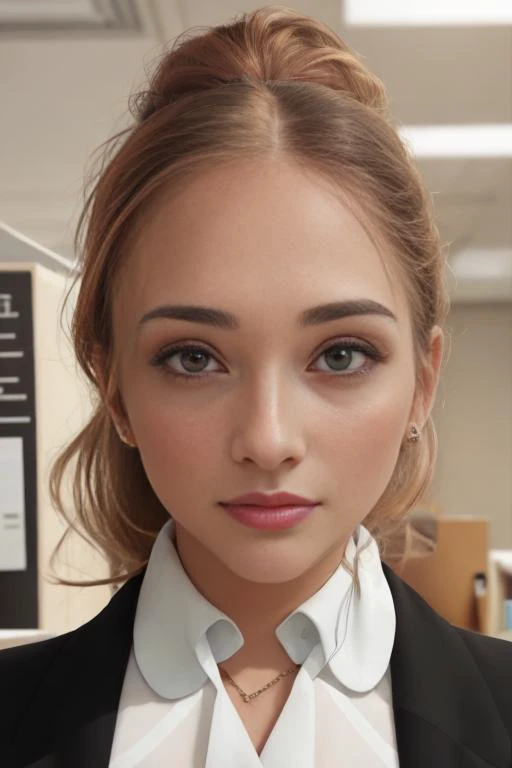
175	712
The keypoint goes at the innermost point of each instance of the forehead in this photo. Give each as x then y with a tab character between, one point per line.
266	235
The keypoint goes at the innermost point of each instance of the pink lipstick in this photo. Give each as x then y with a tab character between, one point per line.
269	518
275	511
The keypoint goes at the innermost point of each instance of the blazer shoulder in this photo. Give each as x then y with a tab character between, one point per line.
23	669
20	664
492	654
493	657
36	678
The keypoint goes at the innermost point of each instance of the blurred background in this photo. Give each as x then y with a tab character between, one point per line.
68	66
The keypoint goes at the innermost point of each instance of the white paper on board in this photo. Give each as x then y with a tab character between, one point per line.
13	552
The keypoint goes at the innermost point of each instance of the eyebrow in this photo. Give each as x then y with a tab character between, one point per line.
324	313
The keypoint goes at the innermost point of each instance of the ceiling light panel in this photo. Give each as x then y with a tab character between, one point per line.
458	140
489	264
434	12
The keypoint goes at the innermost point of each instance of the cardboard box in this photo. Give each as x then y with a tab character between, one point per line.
445	576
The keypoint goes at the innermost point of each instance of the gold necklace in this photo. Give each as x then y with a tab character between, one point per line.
249	696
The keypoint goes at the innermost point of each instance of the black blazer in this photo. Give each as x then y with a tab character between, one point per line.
452	690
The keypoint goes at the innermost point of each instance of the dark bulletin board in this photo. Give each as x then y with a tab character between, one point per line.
18	521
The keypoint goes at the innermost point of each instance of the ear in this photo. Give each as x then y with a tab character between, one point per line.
428	380
111	396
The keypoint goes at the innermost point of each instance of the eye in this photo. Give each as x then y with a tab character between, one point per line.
190	357
344	357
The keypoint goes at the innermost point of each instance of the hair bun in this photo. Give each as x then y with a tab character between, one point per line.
271	43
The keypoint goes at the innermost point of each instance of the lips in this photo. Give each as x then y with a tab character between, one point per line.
269	518
282	499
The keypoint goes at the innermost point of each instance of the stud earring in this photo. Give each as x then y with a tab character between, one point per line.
414	434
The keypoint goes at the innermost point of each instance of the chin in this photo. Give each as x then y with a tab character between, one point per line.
266	567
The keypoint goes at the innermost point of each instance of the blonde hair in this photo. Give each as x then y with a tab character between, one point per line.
272	82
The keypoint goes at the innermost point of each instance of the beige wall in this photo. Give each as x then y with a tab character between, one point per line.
473	417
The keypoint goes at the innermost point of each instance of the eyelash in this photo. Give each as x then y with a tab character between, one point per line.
160	360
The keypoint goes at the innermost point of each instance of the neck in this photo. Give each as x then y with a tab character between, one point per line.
256	608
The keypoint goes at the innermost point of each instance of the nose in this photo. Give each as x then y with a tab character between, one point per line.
268	428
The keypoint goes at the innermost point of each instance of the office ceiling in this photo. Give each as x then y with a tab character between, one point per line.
68	67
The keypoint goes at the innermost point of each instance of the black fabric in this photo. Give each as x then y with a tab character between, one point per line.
452	690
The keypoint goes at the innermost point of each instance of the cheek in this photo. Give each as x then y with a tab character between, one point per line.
179	446
366	443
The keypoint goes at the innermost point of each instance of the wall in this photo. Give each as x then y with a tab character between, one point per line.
473	417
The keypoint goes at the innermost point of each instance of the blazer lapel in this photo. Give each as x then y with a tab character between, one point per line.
444	711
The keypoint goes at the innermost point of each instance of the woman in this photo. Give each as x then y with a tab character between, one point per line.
260	311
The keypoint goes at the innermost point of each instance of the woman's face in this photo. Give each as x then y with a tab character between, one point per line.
271	405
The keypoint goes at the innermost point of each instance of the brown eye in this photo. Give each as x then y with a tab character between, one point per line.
190	358
339	357
195	358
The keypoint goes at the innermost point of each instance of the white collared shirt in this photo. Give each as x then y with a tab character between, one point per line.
175	712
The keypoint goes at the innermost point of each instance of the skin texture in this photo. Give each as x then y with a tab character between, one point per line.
264	241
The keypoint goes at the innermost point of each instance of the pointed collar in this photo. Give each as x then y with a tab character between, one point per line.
355	633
